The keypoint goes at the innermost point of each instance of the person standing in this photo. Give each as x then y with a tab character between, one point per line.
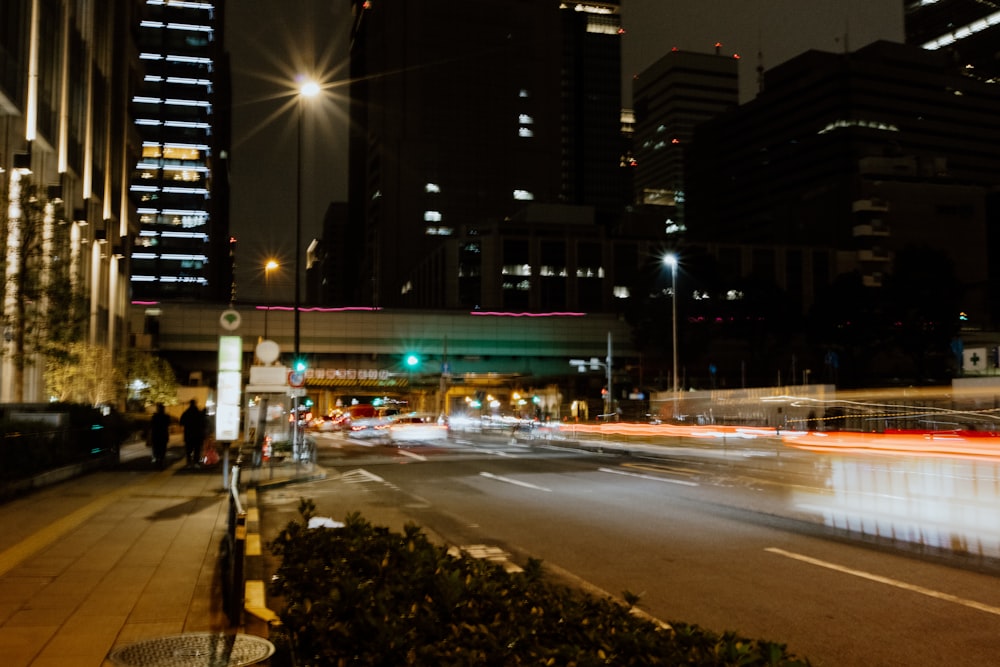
193	421
159	435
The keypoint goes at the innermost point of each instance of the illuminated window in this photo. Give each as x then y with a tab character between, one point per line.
525	132
621	292
523	195
516	270
432	187
525	119
432	216
439	231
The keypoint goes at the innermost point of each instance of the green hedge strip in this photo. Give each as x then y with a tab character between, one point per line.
364	595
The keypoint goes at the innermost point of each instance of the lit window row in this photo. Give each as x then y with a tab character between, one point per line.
189	60
516	270
521	286
173	151
189	27
169	279
173	257
870	124
439	231
965	31
182	4
175	102
200	236
185	168
178	80
154	122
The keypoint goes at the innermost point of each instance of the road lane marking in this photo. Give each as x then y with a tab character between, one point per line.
508	480
913	588
412	455
359	476
682	482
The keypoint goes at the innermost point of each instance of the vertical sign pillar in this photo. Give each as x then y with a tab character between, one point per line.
229	393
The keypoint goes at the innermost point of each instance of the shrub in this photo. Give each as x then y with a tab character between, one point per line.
363	595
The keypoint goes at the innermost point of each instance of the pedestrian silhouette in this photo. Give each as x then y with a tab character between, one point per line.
159	435
193	421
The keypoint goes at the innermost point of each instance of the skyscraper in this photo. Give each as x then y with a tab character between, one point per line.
969	30
65	153
464	113
671	98
179	183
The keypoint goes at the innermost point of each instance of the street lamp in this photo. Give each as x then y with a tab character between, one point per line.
671	261
307	88
270	266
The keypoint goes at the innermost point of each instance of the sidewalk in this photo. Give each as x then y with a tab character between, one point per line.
115	557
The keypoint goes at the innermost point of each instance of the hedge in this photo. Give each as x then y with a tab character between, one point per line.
364	595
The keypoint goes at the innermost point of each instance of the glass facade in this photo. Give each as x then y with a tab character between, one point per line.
172	183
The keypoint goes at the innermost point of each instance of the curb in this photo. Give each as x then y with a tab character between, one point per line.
258	618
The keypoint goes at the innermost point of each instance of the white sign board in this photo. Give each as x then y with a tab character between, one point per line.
229	391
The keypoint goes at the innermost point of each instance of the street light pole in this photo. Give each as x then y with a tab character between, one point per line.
306	89
270	266
671	261
609	404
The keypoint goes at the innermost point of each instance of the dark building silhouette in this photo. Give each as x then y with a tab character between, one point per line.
671	98
852	157
967	30
464	113
180	182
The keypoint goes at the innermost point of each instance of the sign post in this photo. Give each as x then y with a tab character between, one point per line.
227	412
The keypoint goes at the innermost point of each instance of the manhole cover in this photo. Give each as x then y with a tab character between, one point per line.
195	649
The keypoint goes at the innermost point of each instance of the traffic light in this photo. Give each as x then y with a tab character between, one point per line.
299	365
412	360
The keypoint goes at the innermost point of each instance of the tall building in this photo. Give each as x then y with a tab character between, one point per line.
967	30
179	182
671	97
464	113
854	156
65	151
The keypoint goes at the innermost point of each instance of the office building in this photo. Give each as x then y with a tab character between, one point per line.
853	157
967	30
179	182
464	113
65	152
671	98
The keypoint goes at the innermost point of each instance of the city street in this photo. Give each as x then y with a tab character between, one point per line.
730	543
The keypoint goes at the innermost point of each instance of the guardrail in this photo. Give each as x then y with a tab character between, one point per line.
233	552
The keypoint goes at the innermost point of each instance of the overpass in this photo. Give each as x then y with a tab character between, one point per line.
362	352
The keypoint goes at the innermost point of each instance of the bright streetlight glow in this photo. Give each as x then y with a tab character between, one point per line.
308	88
670	260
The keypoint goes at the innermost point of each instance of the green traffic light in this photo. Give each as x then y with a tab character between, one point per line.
300	365
412	360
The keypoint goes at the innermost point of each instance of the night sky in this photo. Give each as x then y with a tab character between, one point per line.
271	41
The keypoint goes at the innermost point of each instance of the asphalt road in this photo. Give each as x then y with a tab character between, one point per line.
704	544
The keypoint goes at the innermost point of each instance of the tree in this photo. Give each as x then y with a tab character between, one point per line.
85	373
43	308
150	379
